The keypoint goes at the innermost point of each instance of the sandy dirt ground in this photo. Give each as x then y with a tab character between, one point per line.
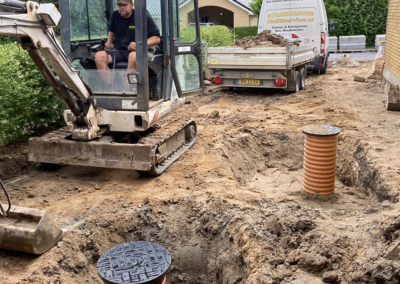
231	209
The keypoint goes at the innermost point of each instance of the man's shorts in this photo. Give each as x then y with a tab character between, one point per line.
122	55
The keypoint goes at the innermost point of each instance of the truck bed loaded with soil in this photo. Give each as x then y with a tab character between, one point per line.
266	60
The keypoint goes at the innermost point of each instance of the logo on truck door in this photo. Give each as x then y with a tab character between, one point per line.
247	75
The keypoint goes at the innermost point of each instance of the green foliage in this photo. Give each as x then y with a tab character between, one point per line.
213	35
27	102
81	27
256	6
360	17
5	39
241	32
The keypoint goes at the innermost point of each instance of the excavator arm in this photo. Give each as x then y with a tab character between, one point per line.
32	24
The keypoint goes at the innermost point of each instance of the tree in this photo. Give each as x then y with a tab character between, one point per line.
256	6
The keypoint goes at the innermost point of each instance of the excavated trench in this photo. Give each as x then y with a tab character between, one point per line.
263	236
254	151
227	240
224	240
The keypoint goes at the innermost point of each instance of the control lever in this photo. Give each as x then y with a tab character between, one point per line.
89	49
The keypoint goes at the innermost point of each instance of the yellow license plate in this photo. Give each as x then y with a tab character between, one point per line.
249	82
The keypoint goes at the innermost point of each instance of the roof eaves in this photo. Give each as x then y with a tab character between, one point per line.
182	3
244	7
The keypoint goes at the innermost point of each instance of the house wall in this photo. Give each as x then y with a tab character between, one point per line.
218	15
241	18
186	15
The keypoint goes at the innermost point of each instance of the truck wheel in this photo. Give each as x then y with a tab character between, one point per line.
323	70
303	75
315	71
297	81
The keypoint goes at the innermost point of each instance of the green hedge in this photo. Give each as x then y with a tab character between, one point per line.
213	35
27	103
241	32
361	17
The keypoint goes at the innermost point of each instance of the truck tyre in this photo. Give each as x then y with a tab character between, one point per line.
303	74
315	71
296	81
323	70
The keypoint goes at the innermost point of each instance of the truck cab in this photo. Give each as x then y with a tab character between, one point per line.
299	20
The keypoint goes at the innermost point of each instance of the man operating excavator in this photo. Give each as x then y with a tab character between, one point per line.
121	36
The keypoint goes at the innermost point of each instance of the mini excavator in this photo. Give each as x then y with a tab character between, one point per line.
112	114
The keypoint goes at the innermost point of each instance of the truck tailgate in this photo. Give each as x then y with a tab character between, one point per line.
258	58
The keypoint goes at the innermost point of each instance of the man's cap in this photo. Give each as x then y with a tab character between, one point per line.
124	1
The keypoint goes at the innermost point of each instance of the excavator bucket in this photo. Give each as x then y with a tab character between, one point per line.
28	230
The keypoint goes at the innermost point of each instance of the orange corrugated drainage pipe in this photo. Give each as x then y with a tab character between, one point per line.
134	263
320	146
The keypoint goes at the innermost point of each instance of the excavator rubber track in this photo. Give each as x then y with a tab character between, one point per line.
154	152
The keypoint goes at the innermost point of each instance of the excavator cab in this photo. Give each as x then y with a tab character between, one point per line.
173	66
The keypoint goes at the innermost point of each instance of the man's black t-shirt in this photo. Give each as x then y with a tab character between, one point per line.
124	29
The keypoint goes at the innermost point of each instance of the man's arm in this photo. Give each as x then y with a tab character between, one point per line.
150	41
110	40
153	40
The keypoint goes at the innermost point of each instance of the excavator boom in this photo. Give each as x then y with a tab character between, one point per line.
33	26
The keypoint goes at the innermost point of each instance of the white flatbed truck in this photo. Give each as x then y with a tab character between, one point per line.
260	67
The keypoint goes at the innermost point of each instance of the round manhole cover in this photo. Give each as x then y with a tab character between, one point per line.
134	262
320	130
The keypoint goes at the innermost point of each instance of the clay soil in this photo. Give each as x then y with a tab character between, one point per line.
263	39
231	209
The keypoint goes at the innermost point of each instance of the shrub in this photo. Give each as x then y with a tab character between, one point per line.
5	39
213	35
241	32
27	102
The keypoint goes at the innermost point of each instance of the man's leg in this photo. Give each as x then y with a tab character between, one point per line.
101	60
132	60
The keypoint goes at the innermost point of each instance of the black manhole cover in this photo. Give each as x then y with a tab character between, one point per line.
134	262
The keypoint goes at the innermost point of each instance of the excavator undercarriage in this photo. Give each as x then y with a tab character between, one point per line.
151	152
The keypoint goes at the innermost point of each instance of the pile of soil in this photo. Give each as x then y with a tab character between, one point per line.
10	168
14	160
265	38
344	61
